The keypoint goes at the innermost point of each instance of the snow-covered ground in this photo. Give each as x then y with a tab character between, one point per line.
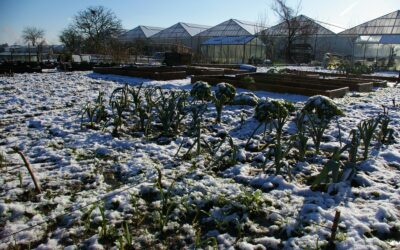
79	166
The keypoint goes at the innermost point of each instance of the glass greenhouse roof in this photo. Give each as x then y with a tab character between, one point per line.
181	30
232	27
140	32
228	40
314	27
383	39
386	25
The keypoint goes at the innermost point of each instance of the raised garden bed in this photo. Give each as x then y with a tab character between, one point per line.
156	73
282	86
10	68
354	85
378	80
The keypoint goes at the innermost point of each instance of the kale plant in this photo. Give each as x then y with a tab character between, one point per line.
320	110
225	93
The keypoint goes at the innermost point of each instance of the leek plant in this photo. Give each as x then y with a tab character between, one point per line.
367	129
301	136
385	133
171	110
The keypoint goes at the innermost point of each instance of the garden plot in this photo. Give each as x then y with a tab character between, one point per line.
147	166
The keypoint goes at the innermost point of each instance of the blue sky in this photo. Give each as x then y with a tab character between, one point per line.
54	15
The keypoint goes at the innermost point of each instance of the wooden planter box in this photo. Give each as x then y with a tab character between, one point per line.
155	73
378	79
359	86
284	86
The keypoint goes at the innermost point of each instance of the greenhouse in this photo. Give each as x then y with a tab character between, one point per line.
377	42
140	32
179	34
311	39
233	49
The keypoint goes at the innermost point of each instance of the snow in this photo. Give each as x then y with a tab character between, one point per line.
77	166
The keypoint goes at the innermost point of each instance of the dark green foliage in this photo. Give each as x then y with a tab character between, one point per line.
224	94
320	110
367	129
201	91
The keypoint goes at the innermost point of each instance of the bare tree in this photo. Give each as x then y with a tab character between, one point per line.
295	27
264	36
97	25
34	36
72	39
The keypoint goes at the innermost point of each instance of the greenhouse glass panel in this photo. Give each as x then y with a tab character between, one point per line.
371	50
359	50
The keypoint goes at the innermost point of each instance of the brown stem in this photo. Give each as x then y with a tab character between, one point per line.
28	166
334	226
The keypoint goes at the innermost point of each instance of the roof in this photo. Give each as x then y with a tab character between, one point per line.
228	40
232	27
140	31
281	29
379	39
181	30
385	25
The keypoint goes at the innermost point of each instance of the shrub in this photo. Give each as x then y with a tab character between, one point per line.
201	91
224	94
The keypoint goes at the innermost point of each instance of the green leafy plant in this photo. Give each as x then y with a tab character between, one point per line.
333	166
227	158
167	204
367	129
171	110
95	112
201	91
385	133
301	137
224	94
276	112
252	200
197	111
136	93
352	147
119	102
320	110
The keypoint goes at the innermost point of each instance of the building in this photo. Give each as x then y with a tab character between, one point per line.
232	41
233	49
180	34
140	32
30	54
311	39
376	42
